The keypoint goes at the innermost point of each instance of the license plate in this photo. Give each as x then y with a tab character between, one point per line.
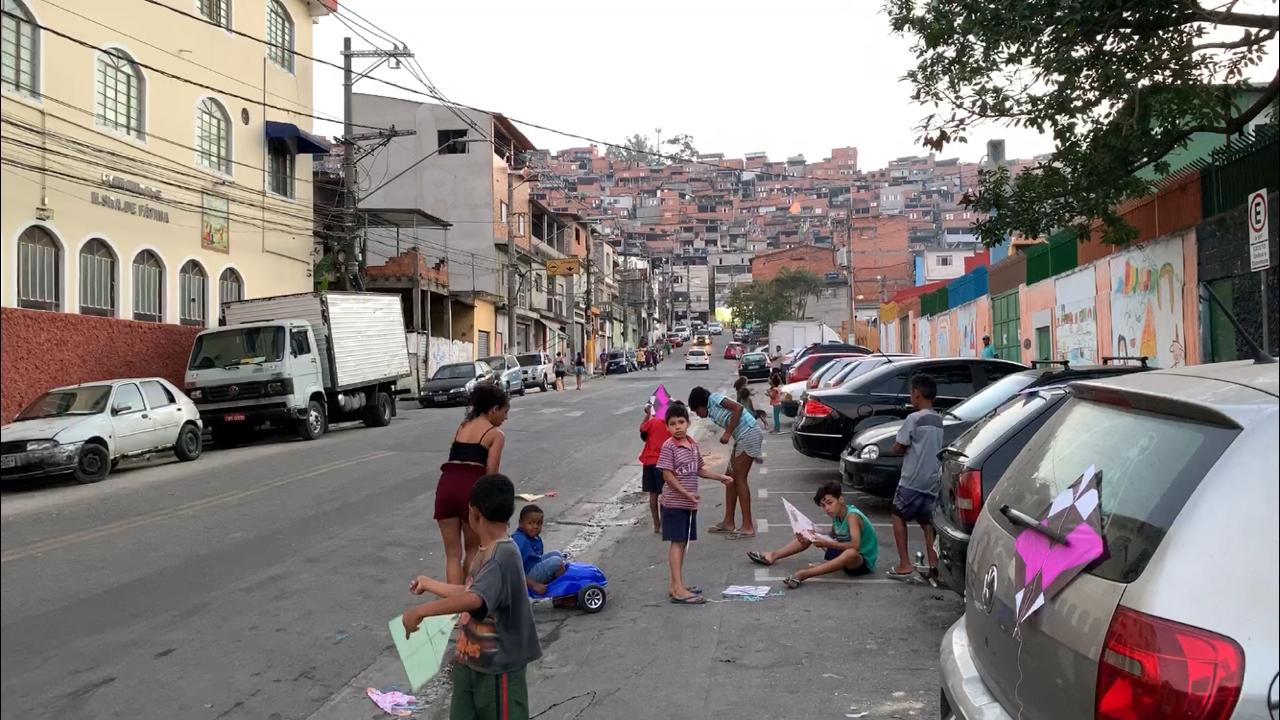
439	398
9	461
233	417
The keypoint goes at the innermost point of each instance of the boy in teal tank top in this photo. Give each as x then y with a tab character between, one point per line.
851	548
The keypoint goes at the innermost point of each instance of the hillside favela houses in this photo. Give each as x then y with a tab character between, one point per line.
145	188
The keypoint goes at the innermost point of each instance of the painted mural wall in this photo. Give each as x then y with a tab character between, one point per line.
967	330
924	338
1075	318
1146	303
942	336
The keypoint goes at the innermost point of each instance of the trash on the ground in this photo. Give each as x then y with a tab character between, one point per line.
862	714
552	493
394	702
339	637
900	694
529	497
758	591
833	676
422	653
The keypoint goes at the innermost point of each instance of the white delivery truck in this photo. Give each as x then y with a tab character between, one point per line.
299	361
791	334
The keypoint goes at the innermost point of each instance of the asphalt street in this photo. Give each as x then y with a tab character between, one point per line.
258	582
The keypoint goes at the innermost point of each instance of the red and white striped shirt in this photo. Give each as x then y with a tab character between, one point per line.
685	460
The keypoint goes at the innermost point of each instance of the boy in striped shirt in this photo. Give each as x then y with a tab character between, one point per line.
680	461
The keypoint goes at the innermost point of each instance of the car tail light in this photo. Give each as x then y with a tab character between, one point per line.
815	408
969	497
1151	667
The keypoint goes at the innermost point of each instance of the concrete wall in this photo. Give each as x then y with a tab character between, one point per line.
42	350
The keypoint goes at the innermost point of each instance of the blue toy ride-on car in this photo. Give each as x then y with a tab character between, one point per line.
581	583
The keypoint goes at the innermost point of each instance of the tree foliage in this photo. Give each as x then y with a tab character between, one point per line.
785	297
1118	85
641	150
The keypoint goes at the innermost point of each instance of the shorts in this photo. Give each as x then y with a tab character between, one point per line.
651	479
485	696
679	524
453	492
560	374
751	443
913	505
544	571
864	569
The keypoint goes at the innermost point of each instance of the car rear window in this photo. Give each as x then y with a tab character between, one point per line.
992	396
1008	416
1150	465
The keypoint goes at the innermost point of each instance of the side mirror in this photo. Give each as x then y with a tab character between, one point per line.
122	409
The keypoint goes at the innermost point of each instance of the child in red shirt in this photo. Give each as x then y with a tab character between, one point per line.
653	431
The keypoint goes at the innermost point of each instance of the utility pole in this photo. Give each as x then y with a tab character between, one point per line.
511	259
853	299
351	265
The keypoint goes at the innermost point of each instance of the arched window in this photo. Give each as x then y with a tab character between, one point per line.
279	35
120	93
18	48
213	136
148	287
193	294
97	279
217	11
230	287
39	270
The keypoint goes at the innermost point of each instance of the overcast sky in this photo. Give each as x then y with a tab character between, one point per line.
739	76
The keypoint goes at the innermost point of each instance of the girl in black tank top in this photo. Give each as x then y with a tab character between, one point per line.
467	462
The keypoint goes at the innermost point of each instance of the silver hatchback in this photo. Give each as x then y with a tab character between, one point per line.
1178	618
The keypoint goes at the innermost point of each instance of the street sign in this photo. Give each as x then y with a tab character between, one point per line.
1259	245
563	266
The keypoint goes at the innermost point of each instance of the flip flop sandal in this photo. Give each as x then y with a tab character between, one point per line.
758	558
720	530
735	535
691	600
791	582
895	575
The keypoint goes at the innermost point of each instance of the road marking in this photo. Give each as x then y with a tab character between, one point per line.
764	494
91	534
762	575
762	525
764	471
545	411
573	413
627	409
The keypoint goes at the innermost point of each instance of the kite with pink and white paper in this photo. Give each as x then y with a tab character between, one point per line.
660	401
1044	566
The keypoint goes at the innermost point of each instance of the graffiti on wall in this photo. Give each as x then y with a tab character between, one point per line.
942	336
1075	317
1146	303
444	351
967	329
924	337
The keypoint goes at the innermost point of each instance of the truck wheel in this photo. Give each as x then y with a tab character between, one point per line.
313	425
93	465
189	443
379	413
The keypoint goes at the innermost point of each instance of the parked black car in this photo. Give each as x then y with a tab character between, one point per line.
829	419
616	363
452	384
754	366
870	465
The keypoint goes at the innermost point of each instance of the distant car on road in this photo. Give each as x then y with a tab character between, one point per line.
536	370
870	465
697	358
509	376
1178	617
702	340
754	366
715	328
85	430
616	363
452	384
733	351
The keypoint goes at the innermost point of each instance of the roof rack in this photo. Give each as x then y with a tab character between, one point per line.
1066	364
1112	359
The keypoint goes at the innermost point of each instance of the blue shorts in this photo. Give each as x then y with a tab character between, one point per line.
545	570
913	505
651	479
679	524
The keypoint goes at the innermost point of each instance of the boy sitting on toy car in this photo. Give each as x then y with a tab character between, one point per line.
539	568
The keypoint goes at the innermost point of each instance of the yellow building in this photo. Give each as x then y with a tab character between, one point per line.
154	159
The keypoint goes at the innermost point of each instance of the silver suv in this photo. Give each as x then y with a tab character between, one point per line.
1178	618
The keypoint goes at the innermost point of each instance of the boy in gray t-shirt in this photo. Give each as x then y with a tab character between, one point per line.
919	440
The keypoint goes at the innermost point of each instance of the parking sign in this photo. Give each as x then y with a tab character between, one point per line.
1259	247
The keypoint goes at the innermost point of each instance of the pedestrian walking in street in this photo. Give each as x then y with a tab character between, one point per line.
775	402
476	451
540	567
497	639
748	448
680	461
775	362
653	431
579	369
919	441
852	546
560	370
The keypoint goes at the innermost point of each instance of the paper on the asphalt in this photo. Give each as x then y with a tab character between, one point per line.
746	591
529	497
422	652
801	525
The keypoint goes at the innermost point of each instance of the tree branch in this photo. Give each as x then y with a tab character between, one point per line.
1248	40
1235	19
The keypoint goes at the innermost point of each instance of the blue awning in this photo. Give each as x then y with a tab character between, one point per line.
304	142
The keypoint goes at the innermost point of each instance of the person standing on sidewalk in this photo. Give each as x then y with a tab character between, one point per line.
775	401
919	441
560	370
579	369
476	451
775	362
653	431
744	429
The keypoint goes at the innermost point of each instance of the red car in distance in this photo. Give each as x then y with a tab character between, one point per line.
733	351
810	364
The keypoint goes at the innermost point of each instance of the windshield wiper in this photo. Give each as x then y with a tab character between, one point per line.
238	363
1017	517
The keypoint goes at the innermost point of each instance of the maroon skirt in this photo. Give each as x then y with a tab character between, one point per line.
453	492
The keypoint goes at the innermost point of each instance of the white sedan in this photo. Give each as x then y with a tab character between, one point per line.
86	429
697	358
